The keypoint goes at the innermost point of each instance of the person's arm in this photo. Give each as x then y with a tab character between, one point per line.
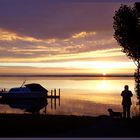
131	94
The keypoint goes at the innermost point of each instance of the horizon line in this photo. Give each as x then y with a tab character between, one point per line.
66	75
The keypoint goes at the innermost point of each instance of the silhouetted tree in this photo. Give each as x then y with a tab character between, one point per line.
127	33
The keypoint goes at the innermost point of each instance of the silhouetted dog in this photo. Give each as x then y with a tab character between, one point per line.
114	114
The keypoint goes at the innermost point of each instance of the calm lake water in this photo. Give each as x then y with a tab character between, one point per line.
90	96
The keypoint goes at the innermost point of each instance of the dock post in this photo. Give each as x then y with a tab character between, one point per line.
55	103
59	96
51	103
59	92
51	92
45	109
51	99
55	92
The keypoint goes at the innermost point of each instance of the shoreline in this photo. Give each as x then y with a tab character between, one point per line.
38	125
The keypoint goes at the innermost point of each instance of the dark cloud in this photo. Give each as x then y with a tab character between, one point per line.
51	19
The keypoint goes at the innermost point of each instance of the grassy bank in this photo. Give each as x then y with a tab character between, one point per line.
35	125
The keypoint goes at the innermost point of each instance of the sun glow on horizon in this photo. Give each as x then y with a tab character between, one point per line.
85	67
104	73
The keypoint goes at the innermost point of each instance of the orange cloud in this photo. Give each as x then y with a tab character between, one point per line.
11	36
83	34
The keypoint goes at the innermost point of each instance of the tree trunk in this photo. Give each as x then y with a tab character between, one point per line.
137	80
138	93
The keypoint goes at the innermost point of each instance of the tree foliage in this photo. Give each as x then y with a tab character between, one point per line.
127	30
127	33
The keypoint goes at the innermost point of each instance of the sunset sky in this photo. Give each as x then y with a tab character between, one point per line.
60	37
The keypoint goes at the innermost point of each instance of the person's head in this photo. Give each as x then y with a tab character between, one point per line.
126	87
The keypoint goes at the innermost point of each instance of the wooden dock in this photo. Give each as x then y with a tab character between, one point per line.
54	99
54	94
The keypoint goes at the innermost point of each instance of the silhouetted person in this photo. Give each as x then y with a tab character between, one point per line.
126	101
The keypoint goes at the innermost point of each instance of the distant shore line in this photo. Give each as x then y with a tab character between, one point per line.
68	75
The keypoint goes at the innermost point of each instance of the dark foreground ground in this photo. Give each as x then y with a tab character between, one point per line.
27	125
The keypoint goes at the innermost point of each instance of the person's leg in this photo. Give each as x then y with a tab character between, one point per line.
128	111
124	111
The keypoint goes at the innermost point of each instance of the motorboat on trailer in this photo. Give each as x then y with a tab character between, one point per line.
28	91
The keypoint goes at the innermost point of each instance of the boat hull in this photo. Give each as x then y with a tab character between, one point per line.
23	95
